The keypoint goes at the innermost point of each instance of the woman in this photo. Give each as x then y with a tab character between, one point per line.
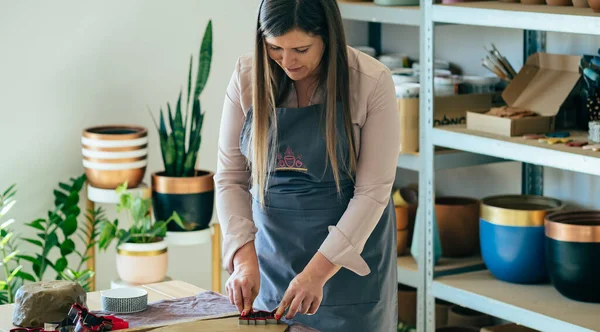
307	157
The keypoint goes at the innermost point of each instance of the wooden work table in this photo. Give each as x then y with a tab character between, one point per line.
161	291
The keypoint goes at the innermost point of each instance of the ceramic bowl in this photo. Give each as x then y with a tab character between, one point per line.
124	300
462	316
511	231
458	224
573	253
115	154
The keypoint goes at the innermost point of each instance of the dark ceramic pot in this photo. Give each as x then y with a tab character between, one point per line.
191	197
512	236
458	224
573	253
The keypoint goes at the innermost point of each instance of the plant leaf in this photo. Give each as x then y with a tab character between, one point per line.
59	196
171	118
205	58
107	234
189	89
6	239
170	155
179	135
35	242
7	206
67	247
14	273
37	224
69	226
6	224
26	276
8	191
10	256
61	264
64	186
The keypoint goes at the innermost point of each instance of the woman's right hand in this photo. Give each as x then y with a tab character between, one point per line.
244	283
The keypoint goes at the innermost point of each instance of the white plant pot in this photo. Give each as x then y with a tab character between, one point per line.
142	263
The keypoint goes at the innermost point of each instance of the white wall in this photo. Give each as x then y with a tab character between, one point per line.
66	65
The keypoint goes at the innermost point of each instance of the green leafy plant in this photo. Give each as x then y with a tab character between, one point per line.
180	144
142	230
56	233
14	276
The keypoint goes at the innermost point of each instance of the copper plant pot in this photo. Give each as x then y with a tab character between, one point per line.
595	4
566	3
192	197
405	217
402	242
458	224
581	3
115	154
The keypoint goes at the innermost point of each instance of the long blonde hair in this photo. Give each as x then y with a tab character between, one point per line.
271	84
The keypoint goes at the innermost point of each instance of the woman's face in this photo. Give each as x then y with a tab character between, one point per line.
298	53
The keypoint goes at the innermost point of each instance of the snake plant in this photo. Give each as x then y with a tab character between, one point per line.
181	141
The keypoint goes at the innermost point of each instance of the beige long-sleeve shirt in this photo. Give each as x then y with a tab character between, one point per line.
376	133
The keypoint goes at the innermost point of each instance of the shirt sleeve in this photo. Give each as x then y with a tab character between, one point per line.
375	174
232	195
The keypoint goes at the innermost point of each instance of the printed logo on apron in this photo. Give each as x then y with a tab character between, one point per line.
290	161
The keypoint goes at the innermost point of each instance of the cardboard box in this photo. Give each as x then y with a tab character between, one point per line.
542	86
448	110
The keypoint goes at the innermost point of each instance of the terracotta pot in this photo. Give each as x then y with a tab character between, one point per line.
533	2
580	3
402	244
115	154
559	2
192	197
461	316
405	217
458	224
142	263
407	305
595	4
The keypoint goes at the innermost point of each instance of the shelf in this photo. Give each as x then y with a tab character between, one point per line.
539	307
408	273
369	12
448	159
519	16
519	149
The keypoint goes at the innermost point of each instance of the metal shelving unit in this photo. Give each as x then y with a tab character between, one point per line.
539	307
466	281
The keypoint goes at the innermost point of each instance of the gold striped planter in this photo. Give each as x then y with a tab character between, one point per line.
114	154
142	263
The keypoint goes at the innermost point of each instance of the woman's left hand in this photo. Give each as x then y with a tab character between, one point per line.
304	295
305	292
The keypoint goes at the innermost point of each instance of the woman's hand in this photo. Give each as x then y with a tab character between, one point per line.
243	285
305	292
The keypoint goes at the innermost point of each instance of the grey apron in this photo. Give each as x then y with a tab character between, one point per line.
301	203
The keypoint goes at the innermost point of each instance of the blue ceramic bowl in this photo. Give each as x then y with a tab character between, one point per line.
514	254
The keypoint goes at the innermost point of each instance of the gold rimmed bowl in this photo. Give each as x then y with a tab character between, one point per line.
573	253
511	231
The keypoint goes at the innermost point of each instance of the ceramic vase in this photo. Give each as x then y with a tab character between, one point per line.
142	263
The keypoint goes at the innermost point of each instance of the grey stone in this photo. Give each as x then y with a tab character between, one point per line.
46	302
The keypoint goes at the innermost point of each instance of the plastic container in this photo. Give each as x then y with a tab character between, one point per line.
408	90
444	86
479	84
394	60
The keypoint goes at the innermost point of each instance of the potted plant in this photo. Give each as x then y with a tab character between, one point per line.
141	248
181	187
